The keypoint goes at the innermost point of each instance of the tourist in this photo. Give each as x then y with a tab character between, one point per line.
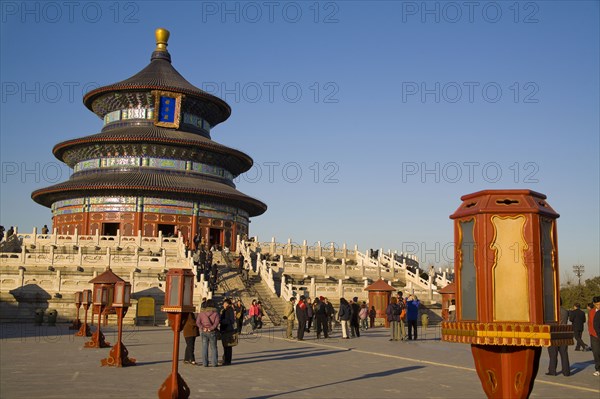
289	315
196	240
209	259
9	232
214	276
240	311
553	351
245	275
321	317
372	315
259	316
330	314
302	317
402	305
363	316
253	314
227	328
207	321
344	316
1	232
452	311
594	330
412	315
392	313
202	257
577	318
196	260
45	229
354	325
240	263
310	313
190	332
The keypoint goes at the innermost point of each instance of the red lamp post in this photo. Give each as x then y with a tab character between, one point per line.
86	300
77	323
100	301
178	303
118	356
507	289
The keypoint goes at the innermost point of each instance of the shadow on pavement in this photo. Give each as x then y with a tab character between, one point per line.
363	377
287	356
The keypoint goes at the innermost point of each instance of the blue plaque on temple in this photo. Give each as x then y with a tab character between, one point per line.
167	109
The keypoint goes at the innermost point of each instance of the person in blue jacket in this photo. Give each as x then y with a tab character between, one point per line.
412	315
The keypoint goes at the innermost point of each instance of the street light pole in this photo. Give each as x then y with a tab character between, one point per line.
578	270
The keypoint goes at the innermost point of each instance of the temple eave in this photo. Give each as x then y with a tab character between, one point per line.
47	196
245	161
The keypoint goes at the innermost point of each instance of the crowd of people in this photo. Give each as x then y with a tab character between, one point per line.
353	316
402	313
212	325
8	232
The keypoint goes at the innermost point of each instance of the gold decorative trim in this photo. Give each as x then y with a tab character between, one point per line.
158	94
507	334
178	309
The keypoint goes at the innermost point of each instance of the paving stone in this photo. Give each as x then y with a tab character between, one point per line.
49	362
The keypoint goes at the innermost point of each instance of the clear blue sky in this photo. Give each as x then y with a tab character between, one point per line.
373	117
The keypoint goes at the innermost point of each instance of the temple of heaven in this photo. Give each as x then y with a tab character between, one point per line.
153	167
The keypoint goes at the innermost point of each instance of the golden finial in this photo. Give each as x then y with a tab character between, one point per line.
162	39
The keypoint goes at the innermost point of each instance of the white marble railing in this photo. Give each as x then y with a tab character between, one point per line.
69	282
50	250
286	289
266	273
108	257
117	240
202	289
384	266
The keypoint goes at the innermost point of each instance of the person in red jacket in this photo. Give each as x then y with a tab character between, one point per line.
253	314
594	329
301	316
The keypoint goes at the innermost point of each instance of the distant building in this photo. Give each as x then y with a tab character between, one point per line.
153	167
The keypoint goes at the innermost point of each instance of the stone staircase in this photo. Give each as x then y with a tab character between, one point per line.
232	286
273	305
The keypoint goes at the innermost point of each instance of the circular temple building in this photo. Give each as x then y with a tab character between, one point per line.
153	167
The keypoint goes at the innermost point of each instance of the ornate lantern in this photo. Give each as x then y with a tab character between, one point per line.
86	300
507	289
77	323
99	301
179	294
118	355
104	286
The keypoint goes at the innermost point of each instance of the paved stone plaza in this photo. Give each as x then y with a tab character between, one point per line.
49	362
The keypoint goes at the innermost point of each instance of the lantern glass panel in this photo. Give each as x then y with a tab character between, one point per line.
104	296
98	295
127	295
468	281
110	292
78	297
87	296
174	297
119	294
188	291
549	298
